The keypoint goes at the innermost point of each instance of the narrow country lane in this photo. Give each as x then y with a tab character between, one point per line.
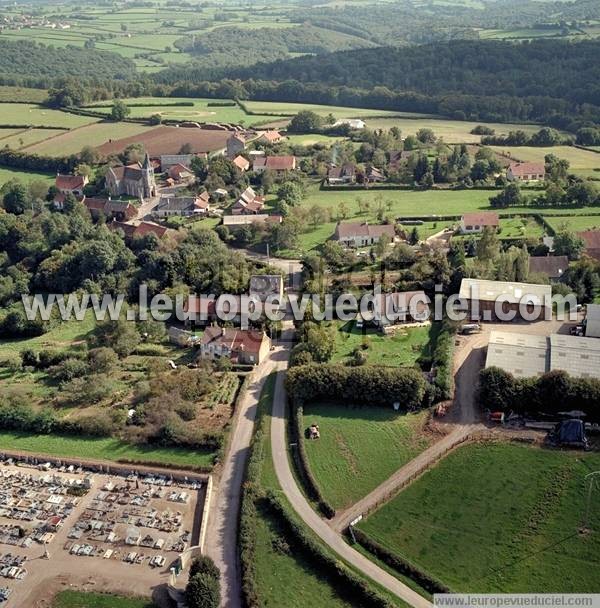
328	535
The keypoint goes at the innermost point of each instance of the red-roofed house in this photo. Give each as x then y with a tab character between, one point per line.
117	210
525	172
277	164
249	203
244	346
243	164
472	223
270	137
181	174
353	234
142	229
591	239
71	183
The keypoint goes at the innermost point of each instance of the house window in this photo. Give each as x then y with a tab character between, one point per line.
469	227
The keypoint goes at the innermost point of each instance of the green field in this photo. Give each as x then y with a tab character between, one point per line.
452	131
360	447
7	174
22	94
403	348
498	518
104	449
30	137
36	115
427	229
582	162
576	223
289	109
516	227
88	599
95	134
200	111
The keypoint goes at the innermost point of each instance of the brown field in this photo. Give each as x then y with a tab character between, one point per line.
168	140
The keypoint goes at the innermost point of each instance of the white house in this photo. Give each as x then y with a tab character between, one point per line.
473	223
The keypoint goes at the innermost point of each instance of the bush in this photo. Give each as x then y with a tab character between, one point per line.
203	591
68	369
205	565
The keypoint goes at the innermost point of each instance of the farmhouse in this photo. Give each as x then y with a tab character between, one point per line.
270	137
266	285
183	206
552	266
483	297
591	240
353	234
472	223
249	203
526	355
346	174
133	180
239	345
353	123
242	163
114	210
592	321
525	172
181	174
277	164
73	184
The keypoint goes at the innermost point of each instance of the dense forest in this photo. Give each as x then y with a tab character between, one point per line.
22	58
237	46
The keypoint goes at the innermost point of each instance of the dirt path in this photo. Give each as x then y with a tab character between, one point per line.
221	538
329	536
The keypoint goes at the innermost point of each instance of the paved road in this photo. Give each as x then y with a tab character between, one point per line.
329	536
221	537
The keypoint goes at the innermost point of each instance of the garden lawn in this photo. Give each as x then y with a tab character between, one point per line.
498	518
520	228
401	349
427	229
87	599
104	449
6	174
35	115
360	447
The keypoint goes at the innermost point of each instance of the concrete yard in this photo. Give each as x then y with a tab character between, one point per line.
52	512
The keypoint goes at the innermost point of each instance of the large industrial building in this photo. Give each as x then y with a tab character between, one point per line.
526	355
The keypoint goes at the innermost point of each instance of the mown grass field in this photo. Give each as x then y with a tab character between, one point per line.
360	447
104	449
582	162
94	135
88	599
201	111
498	518
452	131
576	223
289	109
25	138
22	94
401	349
517	227
36	115
7	174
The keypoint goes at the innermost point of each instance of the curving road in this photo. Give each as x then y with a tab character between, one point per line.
328	535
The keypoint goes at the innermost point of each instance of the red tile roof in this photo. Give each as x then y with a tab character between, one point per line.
275	163
271	136
591	239
482	218
247	340
243	164
553	266
522	169
70	182
178	171
139	230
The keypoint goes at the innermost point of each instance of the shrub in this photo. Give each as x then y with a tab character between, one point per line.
68	369
203	591
204	565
